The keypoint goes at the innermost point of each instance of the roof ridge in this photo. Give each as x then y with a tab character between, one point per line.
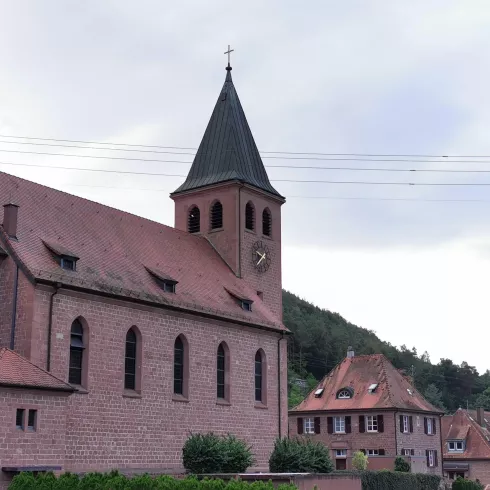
383	370
38	367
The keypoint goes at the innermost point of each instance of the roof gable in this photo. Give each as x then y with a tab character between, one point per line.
359	375
116	249
227	151
16	371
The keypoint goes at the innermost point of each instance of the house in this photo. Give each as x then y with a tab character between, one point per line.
120	336
365	404
466	438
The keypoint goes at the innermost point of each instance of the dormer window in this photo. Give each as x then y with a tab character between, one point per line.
65	258
244	302
166	283
455	446
372	388
319	392
345	393
246	305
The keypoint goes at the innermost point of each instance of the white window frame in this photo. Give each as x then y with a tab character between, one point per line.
309	425
371	423
432	459
339	425
407	452
406	424
455	448
344	395
373	452
430	429
341	453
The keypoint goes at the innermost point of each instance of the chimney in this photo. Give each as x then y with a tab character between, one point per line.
480	416
350	352
10	212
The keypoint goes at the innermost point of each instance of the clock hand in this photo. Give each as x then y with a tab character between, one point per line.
262	257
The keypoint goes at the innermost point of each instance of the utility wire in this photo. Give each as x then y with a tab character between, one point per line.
274	152
128	172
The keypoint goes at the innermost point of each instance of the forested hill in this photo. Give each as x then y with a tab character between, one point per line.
321	338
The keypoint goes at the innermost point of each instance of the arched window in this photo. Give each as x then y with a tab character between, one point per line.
216	215
345	393
249	216
223	372
181	366
266	222
260	378
75	373
130	360
194	220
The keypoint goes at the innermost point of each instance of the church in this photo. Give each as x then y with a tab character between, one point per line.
120	336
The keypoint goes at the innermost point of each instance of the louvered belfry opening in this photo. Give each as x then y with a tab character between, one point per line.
194	220
216	215
249	216
266	222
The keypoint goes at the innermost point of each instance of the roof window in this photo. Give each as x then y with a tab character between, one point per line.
372	388
345	393
319	392
166	283
68	263
243	301
66	258
410	392
246	305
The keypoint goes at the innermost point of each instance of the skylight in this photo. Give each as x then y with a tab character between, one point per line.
372	388
409	391
319	392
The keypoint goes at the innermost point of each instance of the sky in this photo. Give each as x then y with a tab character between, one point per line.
384	77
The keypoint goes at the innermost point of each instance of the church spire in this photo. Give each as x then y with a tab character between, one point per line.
227	151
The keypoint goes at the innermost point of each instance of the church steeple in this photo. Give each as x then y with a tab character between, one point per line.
227	151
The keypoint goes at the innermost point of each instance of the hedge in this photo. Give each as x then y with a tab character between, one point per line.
116	481
463	484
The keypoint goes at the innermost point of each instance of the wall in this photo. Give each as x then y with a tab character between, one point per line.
480	470
46	445
7	271
108	428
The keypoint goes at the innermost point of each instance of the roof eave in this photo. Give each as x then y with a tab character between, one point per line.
67	389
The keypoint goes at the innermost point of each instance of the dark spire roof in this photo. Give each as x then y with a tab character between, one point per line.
227	151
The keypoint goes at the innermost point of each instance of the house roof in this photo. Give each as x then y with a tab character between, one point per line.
358	374
115	249
227	151
16	371
463	426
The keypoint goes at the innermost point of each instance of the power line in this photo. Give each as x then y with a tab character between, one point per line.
346	182
268	152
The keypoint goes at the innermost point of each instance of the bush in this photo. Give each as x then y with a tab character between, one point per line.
402	465
393	480
210	453
300	456
462	484
115	481
359	461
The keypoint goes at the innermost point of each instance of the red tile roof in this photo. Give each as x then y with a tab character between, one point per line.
358	374
116	247
463	426
17	371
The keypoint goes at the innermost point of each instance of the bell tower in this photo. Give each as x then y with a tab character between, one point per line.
227	198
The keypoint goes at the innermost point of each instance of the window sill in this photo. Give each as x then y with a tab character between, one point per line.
131	394
340	433
180	398
261	406
267	237
252	232
216	230
222	401
372	432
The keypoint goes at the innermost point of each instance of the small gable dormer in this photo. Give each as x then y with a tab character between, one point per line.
244	302
65	258
166	283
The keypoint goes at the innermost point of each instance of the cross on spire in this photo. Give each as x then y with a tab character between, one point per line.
228	53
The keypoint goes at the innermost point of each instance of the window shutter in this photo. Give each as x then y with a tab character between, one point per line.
402	452
412	452
425	426
317	425
330	425
300	425
434	431
348	427
401	423
435	459
427	456
381	424
410	421
362	423
381	452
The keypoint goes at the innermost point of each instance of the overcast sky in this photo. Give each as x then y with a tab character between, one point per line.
368	77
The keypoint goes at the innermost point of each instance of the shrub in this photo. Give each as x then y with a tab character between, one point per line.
210	453
359	461
300	456
393	480
462	484
402	465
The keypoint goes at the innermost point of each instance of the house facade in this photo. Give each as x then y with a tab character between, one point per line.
365	404
121	336
466	438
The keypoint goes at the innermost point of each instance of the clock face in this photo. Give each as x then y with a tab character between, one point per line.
261	256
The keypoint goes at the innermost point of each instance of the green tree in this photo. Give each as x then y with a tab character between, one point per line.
483	399
434	396
359	461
